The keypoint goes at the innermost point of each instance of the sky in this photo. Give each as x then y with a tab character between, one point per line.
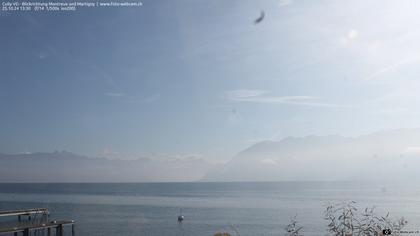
199	78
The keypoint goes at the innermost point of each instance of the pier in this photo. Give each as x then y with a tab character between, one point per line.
33	221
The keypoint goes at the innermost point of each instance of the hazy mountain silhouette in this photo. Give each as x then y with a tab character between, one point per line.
383	155
69	167
389	155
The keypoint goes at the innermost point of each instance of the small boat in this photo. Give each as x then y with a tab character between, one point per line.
180	216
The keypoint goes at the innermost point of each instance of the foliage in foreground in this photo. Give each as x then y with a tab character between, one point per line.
293	228
222	234
344	219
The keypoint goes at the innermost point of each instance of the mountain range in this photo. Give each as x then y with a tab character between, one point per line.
65	166
386	155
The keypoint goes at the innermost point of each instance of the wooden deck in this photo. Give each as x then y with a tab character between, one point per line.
25	212
57	226
33	223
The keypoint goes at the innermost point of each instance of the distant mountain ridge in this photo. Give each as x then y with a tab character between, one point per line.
69	167
42	155
383	155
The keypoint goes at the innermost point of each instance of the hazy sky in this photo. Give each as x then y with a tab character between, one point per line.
179	78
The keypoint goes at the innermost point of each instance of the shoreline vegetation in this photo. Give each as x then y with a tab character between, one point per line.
345	219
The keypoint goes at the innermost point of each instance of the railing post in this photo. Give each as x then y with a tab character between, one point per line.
60	230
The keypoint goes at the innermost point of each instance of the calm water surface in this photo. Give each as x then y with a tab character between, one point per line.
249	208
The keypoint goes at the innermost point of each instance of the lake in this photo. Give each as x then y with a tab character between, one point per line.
260	208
